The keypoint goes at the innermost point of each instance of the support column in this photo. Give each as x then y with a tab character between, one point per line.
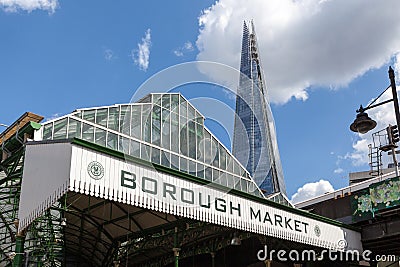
175	249
396	111
268	263
19	246
176	255
212	259
19	250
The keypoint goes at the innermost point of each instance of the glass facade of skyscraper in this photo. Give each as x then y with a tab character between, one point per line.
254	142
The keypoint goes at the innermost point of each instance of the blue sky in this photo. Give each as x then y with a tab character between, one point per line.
322	59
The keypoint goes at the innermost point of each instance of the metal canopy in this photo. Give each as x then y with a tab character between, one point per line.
56	169
102	233
97	227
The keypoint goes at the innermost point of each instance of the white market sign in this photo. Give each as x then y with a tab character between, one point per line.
101	175
192	197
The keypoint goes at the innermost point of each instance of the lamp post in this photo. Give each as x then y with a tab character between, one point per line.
363	123
395	99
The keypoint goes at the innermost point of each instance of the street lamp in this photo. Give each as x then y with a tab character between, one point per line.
4	125
363	123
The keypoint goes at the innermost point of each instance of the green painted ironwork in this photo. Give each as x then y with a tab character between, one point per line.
11	167
176	249
45	238
19	251
41	239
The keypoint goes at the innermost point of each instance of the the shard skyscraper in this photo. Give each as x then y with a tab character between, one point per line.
254	140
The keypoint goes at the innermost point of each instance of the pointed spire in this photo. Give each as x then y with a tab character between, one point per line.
244	25
245	28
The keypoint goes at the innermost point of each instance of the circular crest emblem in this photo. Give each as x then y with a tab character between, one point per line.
95	170
317	230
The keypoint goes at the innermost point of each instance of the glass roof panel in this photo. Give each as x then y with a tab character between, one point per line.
168	131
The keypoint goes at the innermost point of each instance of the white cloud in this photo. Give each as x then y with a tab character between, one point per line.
181	51
29	5
109	54
311	190
396	68
141	55
303	43
359	155
178	53
53	117
338	170
188	46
